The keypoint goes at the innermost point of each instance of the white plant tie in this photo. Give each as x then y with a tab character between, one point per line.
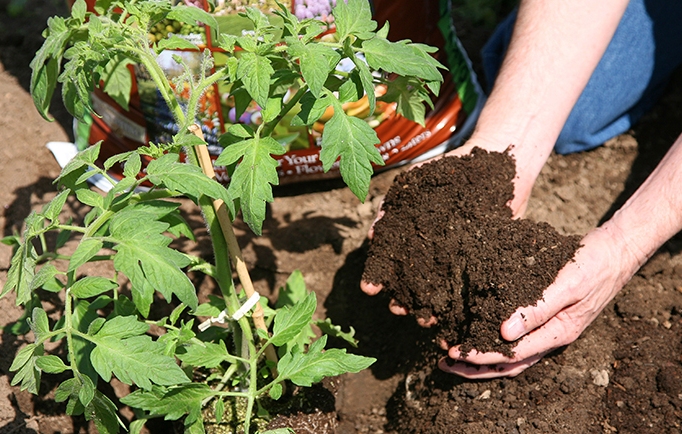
224	316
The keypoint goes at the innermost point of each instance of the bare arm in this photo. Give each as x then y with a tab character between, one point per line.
554	49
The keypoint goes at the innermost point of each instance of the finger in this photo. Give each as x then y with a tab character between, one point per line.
559	331
380	213
555	299
370	288
427	322
396	309
479	372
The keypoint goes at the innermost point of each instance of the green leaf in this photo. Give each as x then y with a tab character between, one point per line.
219	410
27	373
367	82
21	273
304	369
118	80
401	58
51	364
255	72
175	43
213	308
85	158
312	109
45	274
122	327
271	109
173	403
40	324
276	391
69	389
410	102
336	331
209	356
102	411
186	179
352	140
135	360
293	292
87	391
143	256
90	197
354	18
192	14
85	251
254	176
51	210
316	61
175	314
290	321
91	286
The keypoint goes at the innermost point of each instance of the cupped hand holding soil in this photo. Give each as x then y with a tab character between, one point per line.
447	247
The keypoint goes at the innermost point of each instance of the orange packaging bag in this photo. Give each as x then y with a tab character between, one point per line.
402	141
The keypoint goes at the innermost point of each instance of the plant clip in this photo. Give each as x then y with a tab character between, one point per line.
246	307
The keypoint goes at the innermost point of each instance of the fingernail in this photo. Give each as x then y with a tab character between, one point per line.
515	328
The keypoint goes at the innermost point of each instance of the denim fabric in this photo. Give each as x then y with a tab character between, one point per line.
629	79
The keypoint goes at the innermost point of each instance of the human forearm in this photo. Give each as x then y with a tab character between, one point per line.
653	214
555	47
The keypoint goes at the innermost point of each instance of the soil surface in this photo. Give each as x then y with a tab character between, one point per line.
624	374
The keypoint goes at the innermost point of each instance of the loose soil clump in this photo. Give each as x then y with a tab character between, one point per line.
448	247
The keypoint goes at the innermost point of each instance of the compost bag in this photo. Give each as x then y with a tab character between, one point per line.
401	140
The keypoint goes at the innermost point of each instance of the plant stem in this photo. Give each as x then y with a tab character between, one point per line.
232	245
270	126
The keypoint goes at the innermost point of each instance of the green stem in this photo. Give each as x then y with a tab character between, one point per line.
270	126
68	328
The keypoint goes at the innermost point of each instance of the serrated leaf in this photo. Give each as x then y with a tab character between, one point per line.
143	256
354	18
45	274
271	109
135	360
173	318
91	286
186	179
352	140
102	411
330	329
40	324
219	410
85	158
367	82
192	14
304	369
316	61
255	72
293	292
51	210
173	403
85	251
401	58
253	177
90	198
21	273
209	356
175	43
122	327
410	102
118	80
51	364
27	373
213	308
290	321
87	391
133	165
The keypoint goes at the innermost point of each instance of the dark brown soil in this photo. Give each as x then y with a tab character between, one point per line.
447	247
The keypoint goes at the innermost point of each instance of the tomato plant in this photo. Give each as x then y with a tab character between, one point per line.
105	324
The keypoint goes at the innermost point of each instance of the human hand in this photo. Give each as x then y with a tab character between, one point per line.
582	289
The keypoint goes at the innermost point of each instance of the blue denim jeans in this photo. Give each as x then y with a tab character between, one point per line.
629	79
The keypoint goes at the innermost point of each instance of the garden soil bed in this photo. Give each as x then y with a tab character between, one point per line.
624	374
